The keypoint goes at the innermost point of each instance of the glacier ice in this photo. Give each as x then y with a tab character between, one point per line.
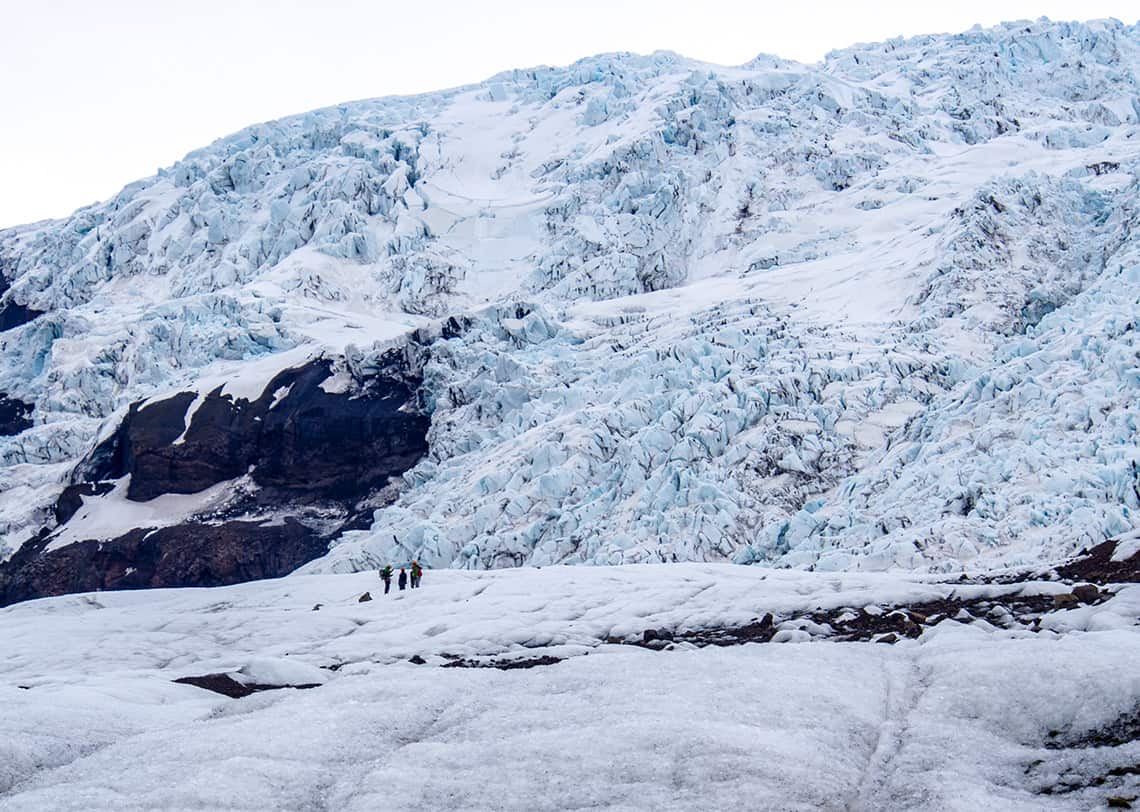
871	313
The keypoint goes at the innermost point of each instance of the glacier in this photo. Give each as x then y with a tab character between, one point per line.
531	688
873	313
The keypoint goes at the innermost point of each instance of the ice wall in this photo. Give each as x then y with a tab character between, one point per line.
771	312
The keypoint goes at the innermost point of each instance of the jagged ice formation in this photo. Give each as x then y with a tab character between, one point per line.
879	311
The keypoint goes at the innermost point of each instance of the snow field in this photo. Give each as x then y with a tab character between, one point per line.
957	719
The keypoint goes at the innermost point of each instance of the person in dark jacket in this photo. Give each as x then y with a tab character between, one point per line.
403	579
386	577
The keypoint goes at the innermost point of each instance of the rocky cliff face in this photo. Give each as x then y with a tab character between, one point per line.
296	441
296	465
187	554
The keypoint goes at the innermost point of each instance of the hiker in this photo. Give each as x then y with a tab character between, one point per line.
417	574
386	577
403	579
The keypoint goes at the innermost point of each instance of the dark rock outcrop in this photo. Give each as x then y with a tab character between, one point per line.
855	624
313	456
71	500
1086	593
14	416
296	440
1066	600
1096	565
503	664
226	685
12	313
191	554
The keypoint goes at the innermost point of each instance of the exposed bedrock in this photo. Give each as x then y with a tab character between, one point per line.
309	450
12	313
15	415
191	554
296	439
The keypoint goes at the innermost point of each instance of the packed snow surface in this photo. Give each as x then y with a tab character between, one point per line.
959	718
877	312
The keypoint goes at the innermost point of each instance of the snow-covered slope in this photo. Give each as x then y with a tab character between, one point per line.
874	312
574	687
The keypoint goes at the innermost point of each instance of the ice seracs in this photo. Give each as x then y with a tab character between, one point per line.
876	312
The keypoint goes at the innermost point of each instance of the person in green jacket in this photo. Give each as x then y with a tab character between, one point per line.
417	573
386	577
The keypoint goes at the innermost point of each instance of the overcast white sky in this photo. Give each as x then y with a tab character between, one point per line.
97	93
